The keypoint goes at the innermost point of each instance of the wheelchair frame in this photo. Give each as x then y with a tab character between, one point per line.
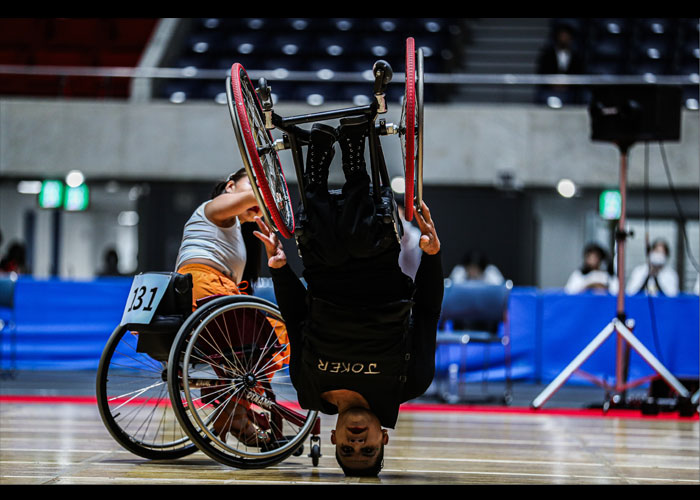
253	118
160	418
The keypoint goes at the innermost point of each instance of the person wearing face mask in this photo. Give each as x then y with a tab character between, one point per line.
654	277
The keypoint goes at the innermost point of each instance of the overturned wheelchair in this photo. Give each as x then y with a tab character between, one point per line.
167	374
253	118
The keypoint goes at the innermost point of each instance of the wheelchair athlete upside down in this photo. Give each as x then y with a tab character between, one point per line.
363	333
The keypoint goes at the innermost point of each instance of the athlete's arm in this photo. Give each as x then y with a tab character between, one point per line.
237	200
289	290
426	310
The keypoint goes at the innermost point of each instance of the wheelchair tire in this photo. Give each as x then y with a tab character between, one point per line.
408	127
315	454
226	352
259	155
420	99
134	404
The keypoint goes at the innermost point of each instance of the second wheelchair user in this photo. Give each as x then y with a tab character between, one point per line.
362	334
221	253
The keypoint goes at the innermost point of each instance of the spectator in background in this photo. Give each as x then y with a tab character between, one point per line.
655	277
111	263
475	266
595	273
15	260
560	58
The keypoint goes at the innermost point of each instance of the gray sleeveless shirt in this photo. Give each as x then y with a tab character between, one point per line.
202	239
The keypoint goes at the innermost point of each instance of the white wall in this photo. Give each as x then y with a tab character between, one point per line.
464	144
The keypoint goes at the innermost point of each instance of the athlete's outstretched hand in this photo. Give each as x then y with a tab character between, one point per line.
276	257
429	241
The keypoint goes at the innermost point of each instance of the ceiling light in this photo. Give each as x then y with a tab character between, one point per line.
128	218
566	188
398	185
29	187
75	178
315	99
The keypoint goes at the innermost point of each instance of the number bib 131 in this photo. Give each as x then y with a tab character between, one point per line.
147	290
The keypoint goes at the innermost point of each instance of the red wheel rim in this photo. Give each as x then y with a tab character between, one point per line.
238	72
410	134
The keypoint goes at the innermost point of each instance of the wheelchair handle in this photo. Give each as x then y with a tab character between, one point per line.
382	76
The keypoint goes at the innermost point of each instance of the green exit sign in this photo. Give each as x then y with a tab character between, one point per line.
77	198
55	194
610	204
51	194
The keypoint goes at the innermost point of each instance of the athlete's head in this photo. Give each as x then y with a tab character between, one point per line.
359	442
236	183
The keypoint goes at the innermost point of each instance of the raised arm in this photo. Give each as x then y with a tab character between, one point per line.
289	290
237	200
426	310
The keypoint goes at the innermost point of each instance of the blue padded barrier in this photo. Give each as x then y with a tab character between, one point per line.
66	324
63	325
569	323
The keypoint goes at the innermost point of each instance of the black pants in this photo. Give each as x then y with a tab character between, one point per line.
350	254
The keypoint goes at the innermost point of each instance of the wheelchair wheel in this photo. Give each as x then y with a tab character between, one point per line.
232	353
419	128
407	127
133	400
258	152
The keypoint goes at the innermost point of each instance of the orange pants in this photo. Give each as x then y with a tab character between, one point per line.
207	281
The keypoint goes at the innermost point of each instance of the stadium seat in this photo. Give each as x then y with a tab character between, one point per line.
130	32
77	33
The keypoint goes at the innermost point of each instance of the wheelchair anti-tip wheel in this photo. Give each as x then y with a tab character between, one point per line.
231	358
133	400
411	129
258	152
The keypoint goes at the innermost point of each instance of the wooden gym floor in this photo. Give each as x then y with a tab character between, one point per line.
60	439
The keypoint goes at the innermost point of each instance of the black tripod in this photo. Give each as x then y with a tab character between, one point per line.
620	326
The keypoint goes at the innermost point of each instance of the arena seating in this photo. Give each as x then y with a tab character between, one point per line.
610	46
81	42
317	45
637	46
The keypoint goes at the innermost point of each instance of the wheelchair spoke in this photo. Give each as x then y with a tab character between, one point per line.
146	423
143	360
134	401
134	394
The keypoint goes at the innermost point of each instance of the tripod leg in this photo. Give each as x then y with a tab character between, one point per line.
573	366
649	358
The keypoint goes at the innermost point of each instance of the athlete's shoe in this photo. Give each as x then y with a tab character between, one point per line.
352	133
319	155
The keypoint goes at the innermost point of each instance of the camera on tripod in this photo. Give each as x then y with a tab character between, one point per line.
625	114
